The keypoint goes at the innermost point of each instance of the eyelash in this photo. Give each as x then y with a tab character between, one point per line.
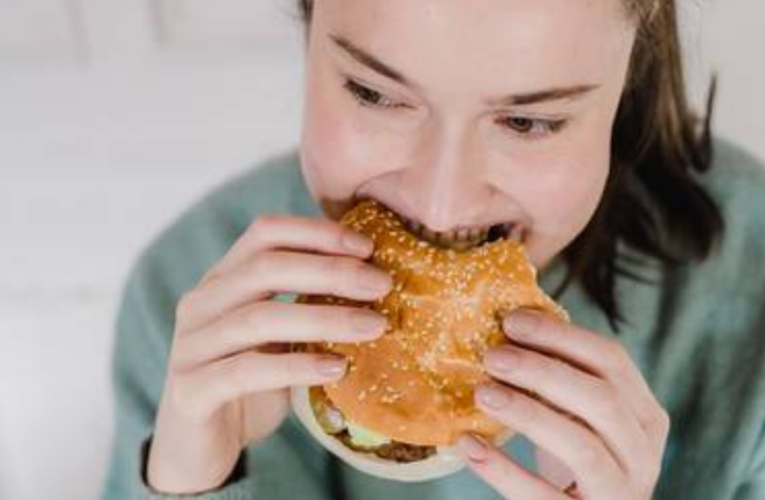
530	129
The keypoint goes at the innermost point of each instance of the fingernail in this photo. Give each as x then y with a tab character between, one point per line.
357	243
376	282
331	366
368	322
521	322
493	397
473	446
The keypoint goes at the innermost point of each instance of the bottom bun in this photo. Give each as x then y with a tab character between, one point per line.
447	459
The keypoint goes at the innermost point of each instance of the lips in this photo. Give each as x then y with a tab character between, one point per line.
463	238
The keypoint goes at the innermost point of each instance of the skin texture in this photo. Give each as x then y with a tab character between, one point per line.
436	152
439	155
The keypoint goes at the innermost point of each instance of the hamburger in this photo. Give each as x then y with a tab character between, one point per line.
408	395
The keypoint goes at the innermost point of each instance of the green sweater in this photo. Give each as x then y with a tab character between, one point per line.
698	336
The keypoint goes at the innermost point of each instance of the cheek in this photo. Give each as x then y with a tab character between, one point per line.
564	191
562	206
578	195
340	151
578	198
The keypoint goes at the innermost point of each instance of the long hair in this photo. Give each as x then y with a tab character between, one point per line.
652	201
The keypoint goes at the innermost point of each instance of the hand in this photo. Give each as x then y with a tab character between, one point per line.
229	370
578	396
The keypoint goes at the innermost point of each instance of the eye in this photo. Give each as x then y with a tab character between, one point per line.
369	97
532	128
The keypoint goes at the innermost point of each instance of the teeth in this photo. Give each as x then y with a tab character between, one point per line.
458	240
516	233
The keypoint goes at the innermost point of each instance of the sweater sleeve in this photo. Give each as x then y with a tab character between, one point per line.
753	488
286	465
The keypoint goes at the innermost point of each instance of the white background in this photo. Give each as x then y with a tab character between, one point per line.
116	114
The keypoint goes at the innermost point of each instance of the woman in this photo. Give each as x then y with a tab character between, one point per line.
569	117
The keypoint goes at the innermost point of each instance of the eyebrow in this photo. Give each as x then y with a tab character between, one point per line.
375	64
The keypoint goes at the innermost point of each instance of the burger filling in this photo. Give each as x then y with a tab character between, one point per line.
359	438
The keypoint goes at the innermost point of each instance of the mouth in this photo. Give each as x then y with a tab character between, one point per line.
467	238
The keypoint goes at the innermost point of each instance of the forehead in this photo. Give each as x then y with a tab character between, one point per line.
523	43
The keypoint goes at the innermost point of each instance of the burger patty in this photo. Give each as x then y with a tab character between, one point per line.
399	452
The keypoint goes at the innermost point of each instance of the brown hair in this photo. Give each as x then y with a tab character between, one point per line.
652	200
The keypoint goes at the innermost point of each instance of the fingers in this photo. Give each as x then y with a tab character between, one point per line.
508	478
271	321
276	271
600	355
293	232
580	394
597	473
200	393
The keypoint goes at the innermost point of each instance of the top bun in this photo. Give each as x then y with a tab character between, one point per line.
415	384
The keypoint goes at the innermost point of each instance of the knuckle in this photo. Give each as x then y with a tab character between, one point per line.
186	303
332	316
258	312
256	317
339	234
647	480
261	226
350	270
539	365
211	275
615	356
240	371
663	423
180	359
525	364
608	404
185	400
336	266
264	222
588	453
524	408
262	262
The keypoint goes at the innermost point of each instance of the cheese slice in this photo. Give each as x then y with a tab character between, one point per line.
365	438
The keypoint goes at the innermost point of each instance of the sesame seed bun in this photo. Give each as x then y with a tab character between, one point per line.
415	384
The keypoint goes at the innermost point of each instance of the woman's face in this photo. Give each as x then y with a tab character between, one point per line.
466	114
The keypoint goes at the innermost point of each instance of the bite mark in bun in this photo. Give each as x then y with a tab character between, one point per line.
408	395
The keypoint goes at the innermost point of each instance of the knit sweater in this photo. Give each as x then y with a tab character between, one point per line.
697	333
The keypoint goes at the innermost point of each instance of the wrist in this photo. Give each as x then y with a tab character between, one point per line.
161	480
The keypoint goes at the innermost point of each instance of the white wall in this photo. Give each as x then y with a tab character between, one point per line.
111	123
727	36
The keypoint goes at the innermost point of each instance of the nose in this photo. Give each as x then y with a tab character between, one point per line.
445	184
